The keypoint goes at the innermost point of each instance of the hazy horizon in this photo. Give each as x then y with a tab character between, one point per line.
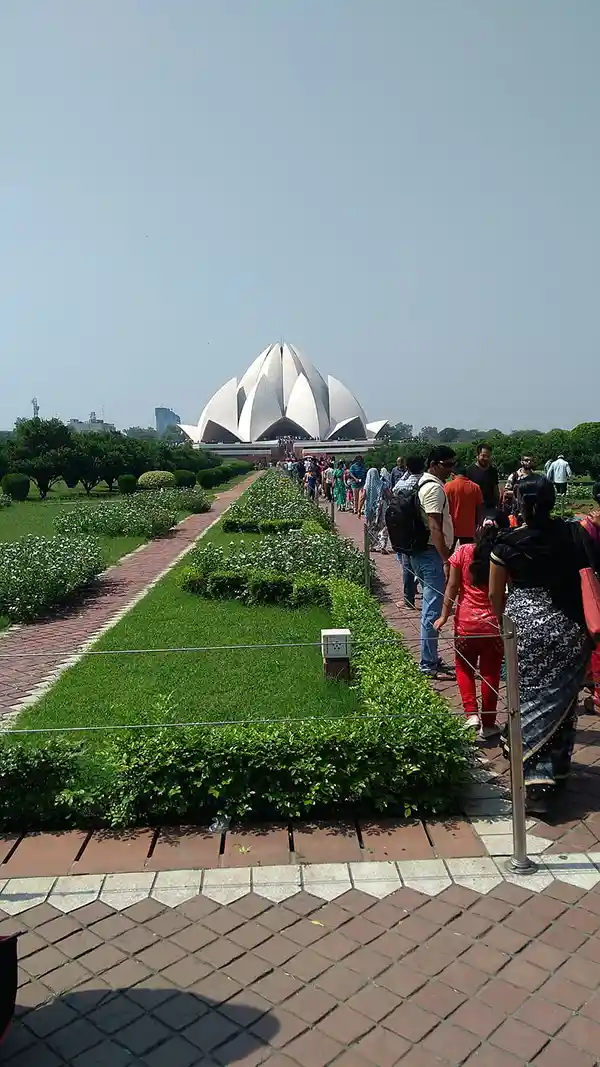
407	191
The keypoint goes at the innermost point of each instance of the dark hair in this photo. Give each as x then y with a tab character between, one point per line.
480	566
460	468
596	492
358	459
439	454
415	464
536	497
483	444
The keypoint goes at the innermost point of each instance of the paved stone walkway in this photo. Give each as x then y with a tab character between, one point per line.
576	826
33	654
496	980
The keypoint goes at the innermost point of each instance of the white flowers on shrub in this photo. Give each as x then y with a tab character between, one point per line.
323	555
274	496
39	573
5	501
122	518
192	500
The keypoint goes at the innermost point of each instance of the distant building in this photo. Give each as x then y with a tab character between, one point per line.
93	425
165	418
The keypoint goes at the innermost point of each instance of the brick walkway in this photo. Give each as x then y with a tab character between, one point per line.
500	980
577	825
55	640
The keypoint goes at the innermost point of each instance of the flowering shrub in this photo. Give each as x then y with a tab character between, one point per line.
39	573
5	500
122	518
293	553
193	500
156	480
272	503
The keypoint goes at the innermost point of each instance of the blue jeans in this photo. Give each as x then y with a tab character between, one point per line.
408	578
429	570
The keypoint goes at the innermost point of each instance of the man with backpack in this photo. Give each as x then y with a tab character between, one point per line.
408	484
420	527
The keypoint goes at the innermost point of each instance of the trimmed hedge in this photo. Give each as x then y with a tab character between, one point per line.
255	586
127	484
408	753
156	480
123	518
185	479
273	504
16	486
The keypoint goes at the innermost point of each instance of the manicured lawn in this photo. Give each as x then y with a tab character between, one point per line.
189	686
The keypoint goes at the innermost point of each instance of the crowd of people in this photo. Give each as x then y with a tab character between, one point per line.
473	550
477	552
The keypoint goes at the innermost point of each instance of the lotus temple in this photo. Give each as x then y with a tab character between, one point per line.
283	395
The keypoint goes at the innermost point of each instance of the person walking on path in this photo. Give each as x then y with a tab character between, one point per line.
466	505
559	473
477	640
430	566
591	524
339	486
327	480
373	493
397	472
408	484
356	476
542	559
485	475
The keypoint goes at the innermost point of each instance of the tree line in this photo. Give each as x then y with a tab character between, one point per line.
47	450
581	446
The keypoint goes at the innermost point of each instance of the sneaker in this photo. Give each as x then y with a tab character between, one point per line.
444	670
487	732
591	705
407	604
429	672
472	722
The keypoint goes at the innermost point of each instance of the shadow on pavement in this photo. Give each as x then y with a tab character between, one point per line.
158	1027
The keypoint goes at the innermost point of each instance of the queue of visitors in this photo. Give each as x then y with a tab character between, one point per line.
475	551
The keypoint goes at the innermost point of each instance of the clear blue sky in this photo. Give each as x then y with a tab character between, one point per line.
408	191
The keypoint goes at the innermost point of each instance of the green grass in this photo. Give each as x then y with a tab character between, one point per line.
189	686
37	517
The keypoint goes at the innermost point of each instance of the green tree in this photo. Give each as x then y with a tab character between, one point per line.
401	431
36	450
448	435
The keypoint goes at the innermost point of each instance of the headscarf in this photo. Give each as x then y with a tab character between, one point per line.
373	487
385	477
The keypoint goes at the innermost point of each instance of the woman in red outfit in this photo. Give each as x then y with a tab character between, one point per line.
477	641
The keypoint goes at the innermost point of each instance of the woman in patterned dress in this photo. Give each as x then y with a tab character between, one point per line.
541	561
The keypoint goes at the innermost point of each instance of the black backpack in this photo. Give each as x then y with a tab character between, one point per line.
405	523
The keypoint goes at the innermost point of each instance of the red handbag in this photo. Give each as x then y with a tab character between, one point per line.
590	590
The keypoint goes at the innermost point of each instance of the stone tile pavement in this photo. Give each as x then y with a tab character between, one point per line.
32	656
497	980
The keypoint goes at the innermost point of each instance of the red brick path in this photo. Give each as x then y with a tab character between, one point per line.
577	826
502	980
55	639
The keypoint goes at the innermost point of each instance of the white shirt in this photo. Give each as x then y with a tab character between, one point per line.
559	471
434	501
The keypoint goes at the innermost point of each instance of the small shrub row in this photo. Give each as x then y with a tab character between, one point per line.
123	518
255	586
223	473
16	486
296	552
193	500
41	573
272	504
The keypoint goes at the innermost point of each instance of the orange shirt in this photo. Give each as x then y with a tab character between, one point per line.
464	497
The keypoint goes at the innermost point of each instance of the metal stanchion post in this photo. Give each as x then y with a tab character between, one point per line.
519	862
367	554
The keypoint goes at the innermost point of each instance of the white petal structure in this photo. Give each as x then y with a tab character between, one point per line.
282	394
